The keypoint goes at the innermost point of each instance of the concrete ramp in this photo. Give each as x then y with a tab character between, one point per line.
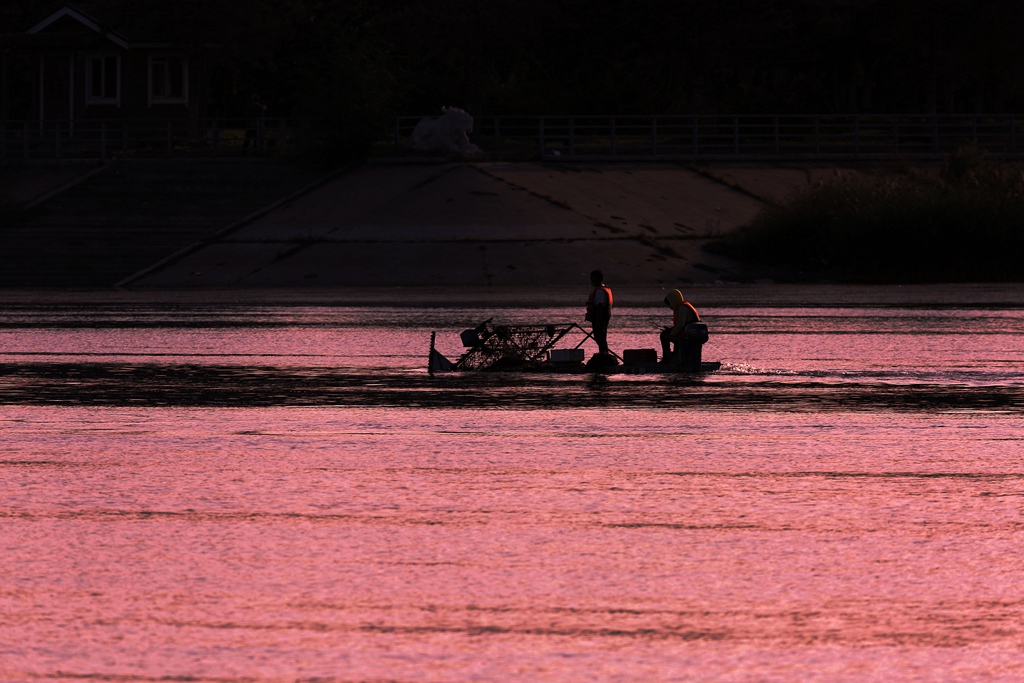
478	224
778	184
659	201
94	226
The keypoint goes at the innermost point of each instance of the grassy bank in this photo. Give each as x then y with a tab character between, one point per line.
965	223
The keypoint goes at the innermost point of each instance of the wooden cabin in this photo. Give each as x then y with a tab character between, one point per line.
71	67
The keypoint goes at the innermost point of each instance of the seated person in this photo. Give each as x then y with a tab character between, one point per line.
683	313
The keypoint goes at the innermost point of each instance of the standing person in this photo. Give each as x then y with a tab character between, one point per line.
254	113
599	310
683	313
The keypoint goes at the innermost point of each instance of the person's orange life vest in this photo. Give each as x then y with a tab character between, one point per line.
590	299
675	312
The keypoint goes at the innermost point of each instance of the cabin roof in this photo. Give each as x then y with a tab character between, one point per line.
70	13
131	28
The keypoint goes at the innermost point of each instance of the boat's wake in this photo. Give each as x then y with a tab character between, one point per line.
735	387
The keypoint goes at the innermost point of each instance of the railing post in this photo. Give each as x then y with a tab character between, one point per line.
614	145
497	132
736	135
1013	136
775	134
572	136
124	137
398	132
935	134
3	140
24	139
56	139
540	135
817	136
170	138
696	144
215	143
654	135
896	134
856	135
103	140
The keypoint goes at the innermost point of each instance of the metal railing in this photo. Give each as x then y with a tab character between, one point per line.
106	139
739	137
691	137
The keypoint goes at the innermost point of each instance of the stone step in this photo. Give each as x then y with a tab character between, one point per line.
129	224
100	214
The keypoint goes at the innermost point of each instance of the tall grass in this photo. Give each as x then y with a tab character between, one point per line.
963	224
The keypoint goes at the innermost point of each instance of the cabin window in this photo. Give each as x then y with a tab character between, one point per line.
168	79
103	80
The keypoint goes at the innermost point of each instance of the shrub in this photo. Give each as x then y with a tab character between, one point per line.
967	224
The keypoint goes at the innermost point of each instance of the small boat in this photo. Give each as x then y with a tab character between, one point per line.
549	348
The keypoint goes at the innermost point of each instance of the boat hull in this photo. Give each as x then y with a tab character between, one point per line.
620	369
531	348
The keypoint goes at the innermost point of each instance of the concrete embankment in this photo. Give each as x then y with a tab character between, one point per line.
483	223
491	224
90	225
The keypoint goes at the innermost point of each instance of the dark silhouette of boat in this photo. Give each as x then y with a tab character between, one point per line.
549	348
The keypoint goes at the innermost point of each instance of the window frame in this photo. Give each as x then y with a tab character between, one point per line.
102	57
168	58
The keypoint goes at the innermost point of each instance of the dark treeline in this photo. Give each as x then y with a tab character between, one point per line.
362	60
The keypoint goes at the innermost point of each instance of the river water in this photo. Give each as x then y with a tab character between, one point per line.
247	492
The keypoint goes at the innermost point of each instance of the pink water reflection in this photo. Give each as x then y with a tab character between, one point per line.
728	541
556	545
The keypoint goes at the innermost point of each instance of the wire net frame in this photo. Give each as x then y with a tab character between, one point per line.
505	346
